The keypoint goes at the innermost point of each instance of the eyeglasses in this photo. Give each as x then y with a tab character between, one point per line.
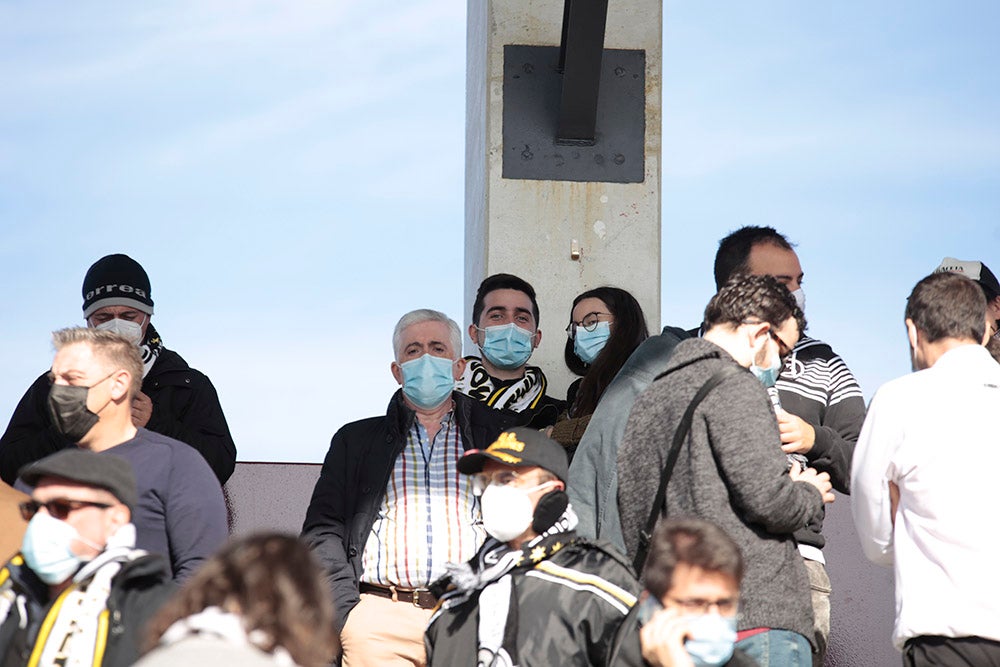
500	478
726	606
589	322
783	350
58	508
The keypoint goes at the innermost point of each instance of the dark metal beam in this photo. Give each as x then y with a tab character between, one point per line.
580	56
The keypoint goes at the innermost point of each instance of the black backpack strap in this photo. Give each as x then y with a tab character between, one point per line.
659	500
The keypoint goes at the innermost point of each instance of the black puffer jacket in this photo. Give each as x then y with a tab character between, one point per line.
137	593
353	480
185	407
568	609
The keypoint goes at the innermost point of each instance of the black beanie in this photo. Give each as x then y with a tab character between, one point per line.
116	280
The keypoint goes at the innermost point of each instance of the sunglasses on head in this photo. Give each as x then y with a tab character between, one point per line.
59	508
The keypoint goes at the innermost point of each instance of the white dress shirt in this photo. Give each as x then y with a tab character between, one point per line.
936	434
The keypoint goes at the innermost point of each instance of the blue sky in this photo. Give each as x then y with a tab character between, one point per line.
291	176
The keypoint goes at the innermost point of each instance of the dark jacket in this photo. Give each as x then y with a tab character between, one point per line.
593	474
626	650
731	471
185	407
817	386
353	482
137	592
568	609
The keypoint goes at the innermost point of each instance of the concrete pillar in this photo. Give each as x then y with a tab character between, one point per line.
562	236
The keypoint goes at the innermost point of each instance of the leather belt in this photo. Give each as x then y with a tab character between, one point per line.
418	597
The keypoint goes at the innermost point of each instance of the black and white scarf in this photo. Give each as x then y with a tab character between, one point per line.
150	349
519	395
489	572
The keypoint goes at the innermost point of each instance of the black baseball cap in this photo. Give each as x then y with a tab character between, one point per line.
103	471
520	447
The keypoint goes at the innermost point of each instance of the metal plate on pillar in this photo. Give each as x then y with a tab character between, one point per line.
532	86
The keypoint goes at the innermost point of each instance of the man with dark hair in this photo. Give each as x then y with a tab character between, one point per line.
729	468
822	409
505	327
922	480
759	251
390	509
175	400
688	610
535	593
180	513
819	404
79	593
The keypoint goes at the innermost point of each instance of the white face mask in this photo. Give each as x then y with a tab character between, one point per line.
800	299
507	510
130	331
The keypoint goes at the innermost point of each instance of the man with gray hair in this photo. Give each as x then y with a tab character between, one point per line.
390	507
180	513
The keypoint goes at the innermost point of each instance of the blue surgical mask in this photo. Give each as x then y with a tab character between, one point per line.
768	376
46	548
588	344
712	639
428	380
507	346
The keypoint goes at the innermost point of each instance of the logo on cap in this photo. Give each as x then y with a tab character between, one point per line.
506	441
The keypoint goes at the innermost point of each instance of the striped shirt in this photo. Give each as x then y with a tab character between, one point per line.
815	373
429	515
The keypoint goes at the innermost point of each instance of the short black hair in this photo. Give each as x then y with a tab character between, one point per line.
749	298
502	281
696	542
733	255
948	305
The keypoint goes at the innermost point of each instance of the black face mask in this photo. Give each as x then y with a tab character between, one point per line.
68	408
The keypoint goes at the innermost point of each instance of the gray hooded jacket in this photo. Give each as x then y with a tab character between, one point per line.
731	471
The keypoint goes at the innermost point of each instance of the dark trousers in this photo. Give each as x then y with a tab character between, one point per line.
932	651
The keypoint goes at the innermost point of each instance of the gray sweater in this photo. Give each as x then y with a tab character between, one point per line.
730	471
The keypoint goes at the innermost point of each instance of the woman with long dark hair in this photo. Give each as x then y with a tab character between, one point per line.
606	325
260	601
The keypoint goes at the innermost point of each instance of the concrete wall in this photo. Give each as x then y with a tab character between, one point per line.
274	496
270	496
527	227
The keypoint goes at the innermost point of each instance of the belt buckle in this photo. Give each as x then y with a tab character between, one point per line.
416	596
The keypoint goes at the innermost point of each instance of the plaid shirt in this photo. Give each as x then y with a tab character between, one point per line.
429	515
